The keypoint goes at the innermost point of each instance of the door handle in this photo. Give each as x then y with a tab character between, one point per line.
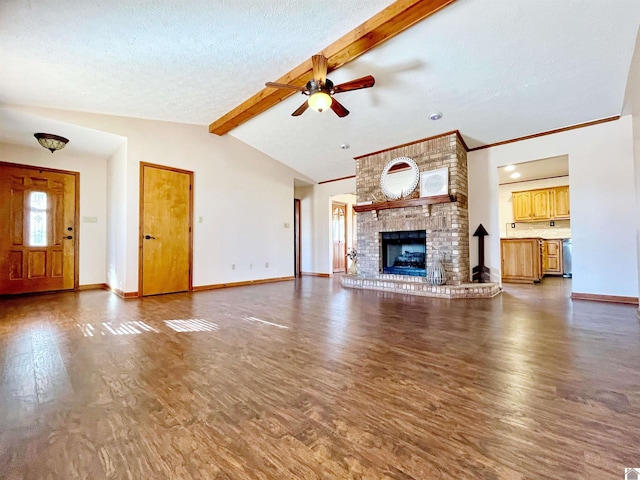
149	237
68	237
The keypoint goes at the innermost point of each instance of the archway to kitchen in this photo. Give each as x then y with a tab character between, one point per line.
535	221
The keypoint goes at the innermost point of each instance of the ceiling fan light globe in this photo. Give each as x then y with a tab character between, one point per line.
320	101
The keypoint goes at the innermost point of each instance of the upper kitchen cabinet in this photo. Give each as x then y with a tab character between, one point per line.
561	202
541	204
521	206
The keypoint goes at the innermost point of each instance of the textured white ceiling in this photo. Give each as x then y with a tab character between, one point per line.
496	69
176	60
17	127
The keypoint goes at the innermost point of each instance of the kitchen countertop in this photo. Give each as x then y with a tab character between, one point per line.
535	238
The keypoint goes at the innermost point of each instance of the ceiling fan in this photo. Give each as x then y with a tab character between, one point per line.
320	89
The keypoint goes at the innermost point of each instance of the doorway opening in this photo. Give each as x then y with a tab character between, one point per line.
344	228
534	204
297	243
339	236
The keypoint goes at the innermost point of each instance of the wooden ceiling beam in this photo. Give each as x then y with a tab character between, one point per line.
391	21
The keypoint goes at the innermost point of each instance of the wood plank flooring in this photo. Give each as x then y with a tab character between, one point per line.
305	380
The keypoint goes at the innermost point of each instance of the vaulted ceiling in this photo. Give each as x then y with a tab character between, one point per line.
495	69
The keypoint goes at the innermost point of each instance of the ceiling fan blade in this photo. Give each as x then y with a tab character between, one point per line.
337	107
320	65
284	85
358	83
301	109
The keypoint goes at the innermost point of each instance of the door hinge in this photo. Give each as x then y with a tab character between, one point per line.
189	186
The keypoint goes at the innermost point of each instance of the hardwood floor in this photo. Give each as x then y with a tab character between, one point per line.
305	380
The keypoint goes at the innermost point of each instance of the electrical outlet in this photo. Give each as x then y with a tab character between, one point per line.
266	265
233	266
250	265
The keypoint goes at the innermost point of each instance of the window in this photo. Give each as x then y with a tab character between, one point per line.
38	219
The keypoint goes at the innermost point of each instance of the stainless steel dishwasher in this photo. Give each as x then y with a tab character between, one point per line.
567	271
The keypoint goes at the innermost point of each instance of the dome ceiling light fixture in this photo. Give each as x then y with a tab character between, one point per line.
50	141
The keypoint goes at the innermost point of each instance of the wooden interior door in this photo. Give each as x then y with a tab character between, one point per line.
297	231
339	227
38	237
165	228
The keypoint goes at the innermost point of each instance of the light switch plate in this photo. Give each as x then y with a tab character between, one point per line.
89	219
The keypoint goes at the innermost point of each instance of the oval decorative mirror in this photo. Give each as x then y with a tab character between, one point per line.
399	178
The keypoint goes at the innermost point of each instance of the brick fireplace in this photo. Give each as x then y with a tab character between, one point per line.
446	224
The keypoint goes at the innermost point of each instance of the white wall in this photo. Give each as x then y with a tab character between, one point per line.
93	171
632	106
603	210
636	149
315	203
116	217
244	197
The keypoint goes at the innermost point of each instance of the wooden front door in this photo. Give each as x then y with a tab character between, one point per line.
339	228
165	228
38	237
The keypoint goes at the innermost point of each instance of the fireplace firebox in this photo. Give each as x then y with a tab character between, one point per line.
404	253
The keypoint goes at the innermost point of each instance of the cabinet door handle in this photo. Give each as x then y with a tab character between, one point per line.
149	237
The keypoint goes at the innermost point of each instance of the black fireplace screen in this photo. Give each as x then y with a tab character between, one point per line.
403	253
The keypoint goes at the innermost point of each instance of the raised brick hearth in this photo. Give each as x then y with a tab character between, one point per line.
446	224
417	286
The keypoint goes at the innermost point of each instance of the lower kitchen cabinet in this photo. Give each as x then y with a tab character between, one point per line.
552	257
521	260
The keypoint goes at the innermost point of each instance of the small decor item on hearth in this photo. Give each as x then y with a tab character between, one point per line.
437	275
352	255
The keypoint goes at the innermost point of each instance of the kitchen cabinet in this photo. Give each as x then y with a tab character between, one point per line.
541	204
552	257
521	260
521	206
561	203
